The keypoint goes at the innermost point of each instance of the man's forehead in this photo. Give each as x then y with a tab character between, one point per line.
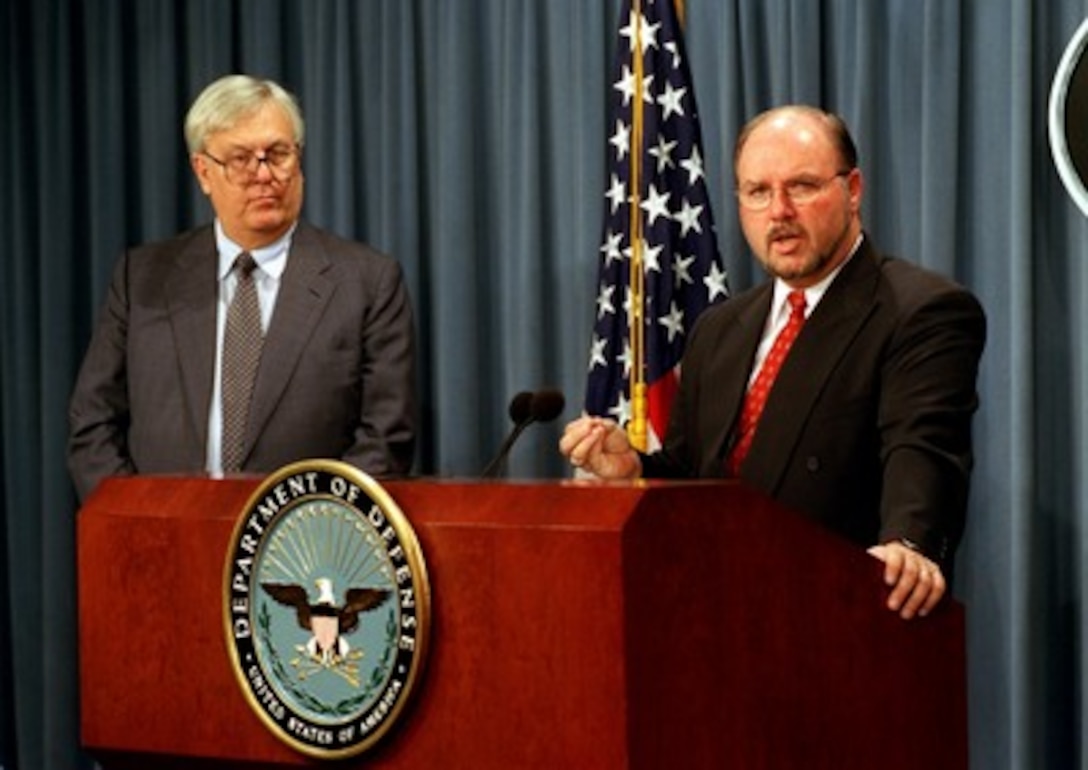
782	139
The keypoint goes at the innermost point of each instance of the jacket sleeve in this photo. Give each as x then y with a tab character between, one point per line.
98	412
925	414
384	439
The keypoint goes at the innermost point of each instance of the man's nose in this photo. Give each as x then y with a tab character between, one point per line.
262	165
781	203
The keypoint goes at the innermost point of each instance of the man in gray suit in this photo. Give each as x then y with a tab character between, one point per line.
867	425
332	372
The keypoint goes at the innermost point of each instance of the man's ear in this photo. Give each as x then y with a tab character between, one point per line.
856	184
201	168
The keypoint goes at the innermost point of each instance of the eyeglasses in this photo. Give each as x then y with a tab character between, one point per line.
800	191
243	167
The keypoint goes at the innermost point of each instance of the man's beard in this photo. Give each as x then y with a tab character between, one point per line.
808	267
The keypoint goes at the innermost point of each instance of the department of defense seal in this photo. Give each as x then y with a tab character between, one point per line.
326	606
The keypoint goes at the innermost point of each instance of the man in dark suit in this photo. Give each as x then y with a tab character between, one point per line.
332	365
867	425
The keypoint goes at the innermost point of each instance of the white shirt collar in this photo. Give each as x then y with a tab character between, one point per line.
814	293
272	259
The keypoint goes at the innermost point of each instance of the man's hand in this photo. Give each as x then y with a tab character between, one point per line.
917	583
600	447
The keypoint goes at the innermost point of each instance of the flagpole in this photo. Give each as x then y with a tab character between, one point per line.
660	255
636	428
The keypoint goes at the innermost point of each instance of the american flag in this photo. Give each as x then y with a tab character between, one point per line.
655	139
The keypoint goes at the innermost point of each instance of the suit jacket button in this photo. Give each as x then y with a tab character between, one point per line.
812	463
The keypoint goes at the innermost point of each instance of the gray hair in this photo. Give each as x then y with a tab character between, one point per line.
230	99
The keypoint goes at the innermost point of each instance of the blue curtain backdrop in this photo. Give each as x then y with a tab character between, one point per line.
467	138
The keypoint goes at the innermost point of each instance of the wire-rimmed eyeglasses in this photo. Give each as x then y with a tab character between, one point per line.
800	191
242	167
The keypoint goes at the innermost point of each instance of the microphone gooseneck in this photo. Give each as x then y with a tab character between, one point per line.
526	408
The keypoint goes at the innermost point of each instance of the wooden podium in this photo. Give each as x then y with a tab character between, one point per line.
645	625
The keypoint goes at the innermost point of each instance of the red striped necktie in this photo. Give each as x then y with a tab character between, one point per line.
756	397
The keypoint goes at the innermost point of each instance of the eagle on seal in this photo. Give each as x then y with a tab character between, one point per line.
327	622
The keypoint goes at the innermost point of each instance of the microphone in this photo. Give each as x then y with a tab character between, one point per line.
546	405
526	408
521	407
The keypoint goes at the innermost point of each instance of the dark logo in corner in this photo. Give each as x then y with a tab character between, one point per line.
327	608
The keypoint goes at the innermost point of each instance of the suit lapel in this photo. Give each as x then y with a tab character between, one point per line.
729	370
827	334
192	291
305	290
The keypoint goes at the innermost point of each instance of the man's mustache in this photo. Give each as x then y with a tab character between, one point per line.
777	232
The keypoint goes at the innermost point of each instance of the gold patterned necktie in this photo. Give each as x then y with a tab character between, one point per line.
756	397
242	342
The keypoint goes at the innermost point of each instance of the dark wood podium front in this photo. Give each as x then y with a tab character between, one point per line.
694	625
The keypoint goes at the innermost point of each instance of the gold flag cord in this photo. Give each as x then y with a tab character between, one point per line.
636	428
